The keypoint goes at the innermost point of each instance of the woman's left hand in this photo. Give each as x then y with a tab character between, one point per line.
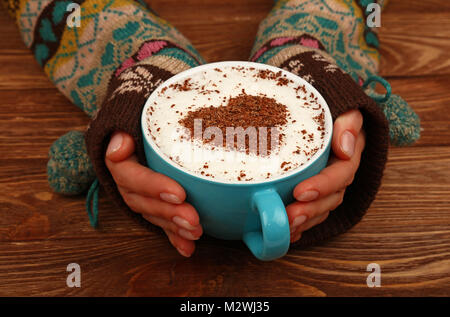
324	192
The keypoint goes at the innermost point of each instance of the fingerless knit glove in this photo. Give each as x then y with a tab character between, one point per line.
107	65
328	43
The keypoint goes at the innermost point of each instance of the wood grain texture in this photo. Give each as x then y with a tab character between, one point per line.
406	230
414	44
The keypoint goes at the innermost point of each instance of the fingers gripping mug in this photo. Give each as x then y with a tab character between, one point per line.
249	205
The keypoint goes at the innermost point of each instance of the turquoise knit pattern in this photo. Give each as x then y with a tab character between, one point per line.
69	170
404	123
337	27
110	31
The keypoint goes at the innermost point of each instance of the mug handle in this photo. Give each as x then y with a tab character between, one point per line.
273	240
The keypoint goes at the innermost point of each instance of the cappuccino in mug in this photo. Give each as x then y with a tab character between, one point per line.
237	124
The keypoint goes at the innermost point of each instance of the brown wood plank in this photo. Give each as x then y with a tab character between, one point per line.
409	267
43	115
406	231
22	72
414	44
26	198
418	6
159	271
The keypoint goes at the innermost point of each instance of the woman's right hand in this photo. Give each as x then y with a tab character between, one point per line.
158	198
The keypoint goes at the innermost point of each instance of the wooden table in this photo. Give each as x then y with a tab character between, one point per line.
406	230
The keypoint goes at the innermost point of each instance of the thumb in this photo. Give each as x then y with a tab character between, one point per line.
121	146
345	131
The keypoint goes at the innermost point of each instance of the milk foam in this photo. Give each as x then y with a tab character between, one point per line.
304	133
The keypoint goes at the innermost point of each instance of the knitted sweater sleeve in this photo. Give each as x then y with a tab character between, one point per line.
342	94
106	57
328	44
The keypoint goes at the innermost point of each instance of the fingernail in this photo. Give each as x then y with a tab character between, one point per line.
183	223
186	234
292	229
308	195
183	253
298	221
170	198
348	143
115	143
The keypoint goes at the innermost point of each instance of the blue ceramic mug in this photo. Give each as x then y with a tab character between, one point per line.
252	211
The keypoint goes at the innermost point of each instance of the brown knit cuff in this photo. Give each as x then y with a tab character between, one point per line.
121	111
342	94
